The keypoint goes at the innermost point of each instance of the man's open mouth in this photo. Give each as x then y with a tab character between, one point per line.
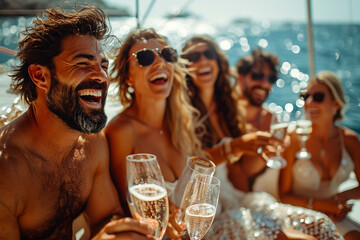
91	96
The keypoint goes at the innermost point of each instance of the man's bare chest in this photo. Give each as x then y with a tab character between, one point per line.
60	192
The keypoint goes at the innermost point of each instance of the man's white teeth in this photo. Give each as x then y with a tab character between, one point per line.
158	76
92	92
204	70
260	92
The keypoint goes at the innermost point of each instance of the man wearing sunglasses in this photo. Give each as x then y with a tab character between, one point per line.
256	75
53	163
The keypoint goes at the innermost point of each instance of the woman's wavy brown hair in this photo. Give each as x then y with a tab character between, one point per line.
42	42
227	110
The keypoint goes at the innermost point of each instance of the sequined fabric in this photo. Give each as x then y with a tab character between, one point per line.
259	216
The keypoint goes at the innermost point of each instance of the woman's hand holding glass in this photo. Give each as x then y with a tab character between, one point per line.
278	128
249	143
333	207
257	143
175	229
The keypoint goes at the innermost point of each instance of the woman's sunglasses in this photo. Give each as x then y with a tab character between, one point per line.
146	57
317	96
194	57
260	76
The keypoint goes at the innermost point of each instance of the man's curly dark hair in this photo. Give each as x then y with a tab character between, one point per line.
42	42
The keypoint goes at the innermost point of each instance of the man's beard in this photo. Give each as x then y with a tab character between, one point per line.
255	102
63	101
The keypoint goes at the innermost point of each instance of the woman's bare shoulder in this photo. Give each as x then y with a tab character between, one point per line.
352	143
120	123
349	134
121	132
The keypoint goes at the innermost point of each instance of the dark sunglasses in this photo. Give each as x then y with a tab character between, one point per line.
260	76
194	57
317	96
146	57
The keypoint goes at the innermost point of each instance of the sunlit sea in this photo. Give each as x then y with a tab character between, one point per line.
337	48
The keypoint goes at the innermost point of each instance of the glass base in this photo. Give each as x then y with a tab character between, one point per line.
276	162
303	155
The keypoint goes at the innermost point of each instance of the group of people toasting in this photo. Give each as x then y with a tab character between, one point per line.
62	158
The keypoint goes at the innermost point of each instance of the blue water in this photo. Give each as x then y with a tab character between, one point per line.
336	48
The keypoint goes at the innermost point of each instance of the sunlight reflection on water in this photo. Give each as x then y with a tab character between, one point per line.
335	50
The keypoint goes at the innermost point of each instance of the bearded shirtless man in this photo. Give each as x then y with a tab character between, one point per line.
53	163
257	73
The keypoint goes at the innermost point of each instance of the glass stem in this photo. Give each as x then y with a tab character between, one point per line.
303	145
278	150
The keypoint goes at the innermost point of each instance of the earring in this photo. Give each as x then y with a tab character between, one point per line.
130	89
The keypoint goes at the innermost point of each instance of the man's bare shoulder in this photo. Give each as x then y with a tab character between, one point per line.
11	150
15	173
261	120
96	139
266	113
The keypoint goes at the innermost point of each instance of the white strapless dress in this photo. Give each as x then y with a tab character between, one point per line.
258	215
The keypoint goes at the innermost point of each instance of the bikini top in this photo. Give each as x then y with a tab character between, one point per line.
307	181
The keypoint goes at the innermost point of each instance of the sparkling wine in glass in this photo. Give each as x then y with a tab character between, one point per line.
278	128
203	199
194	166
303	131
148	195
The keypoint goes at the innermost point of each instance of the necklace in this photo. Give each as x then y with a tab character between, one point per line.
159	130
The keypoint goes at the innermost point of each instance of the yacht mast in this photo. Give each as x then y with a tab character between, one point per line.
310	40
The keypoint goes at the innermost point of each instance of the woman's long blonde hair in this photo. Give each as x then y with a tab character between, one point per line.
180	116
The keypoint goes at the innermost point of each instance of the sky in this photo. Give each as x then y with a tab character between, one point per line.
223	11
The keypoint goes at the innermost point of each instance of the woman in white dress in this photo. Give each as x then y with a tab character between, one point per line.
157	117
250	215
335	153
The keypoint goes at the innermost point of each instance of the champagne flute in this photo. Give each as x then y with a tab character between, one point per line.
303	131
203	198
147	191
278	128
194	166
